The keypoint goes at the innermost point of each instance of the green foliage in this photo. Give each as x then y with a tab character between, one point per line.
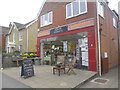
16	52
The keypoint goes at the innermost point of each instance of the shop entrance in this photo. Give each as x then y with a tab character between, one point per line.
64	49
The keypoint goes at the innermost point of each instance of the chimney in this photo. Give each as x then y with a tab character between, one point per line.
10	25
106	1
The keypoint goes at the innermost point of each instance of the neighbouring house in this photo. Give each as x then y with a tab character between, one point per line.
3	32
85	30
22	37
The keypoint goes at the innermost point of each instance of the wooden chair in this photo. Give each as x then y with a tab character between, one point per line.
70	66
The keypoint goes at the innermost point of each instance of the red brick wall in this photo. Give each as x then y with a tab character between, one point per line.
108	32
59	16
3	42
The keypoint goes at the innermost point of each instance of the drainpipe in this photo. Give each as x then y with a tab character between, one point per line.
99	45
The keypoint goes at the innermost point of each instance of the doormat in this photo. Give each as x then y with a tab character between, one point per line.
100	80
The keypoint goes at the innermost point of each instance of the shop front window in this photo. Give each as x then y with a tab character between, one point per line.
56	49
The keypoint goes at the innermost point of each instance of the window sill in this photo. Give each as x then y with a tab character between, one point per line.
102	16
76	15
45	25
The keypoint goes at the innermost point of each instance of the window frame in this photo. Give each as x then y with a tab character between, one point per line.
20	48
114	22
42	19
80	13
20	35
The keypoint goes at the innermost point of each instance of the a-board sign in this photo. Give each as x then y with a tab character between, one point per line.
27	68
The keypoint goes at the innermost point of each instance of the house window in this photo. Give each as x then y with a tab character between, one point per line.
114	22
76	8
46	19
69	10
20	48
101	9
20	36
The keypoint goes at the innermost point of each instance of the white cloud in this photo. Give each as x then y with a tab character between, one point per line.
114	4
23	11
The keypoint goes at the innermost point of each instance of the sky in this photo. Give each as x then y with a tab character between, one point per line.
23	11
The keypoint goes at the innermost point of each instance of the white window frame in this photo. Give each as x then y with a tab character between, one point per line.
101	9
114	22
20	48
80	13
42	23
20	35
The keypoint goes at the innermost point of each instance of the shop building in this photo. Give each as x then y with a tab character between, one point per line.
86	31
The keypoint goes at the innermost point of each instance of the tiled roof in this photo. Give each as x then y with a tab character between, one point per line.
19	25
22	26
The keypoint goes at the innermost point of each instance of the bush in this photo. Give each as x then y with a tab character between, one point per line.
16	52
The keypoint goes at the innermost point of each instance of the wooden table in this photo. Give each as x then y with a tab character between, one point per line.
58	69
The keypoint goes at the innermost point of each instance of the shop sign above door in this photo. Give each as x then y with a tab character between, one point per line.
59	30
44	33
81	24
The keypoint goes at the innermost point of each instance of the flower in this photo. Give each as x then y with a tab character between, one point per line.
25	55
31	54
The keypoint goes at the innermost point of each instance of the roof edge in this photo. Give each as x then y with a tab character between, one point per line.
41	8
31	23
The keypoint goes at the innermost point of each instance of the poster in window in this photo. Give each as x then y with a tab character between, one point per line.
65	47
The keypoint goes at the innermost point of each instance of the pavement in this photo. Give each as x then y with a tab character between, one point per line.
44	77
8	82
111	76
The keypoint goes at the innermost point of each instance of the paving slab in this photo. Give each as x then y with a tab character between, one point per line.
44	77
111	76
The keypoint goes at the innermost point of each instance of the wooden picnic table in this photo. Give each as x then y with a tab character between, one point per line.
21	59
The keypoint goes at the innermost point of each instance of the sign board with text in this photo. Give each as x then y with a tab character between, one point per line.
27	68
